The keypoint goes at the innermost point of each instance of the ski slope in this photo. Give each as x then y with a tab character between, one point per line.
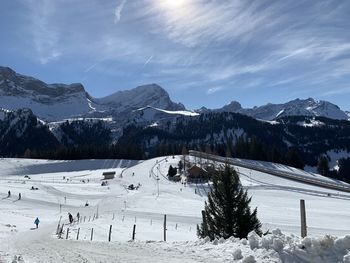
277	199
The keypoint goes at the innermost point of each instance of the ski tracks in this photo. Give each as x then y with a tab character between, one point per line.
42	246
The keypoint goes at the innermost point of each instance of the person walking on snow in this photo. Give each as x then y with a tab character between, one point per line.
9	193
70	217
36	222
19	196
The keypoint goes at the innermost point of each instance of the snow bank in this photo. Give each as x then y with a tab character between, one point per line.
273	247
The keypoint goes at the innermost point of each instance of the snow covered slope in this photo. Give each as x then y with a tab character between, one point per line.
73	183
48	101
175	112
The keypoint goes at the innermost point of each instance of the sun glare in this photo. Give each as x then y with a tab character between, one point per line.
174	3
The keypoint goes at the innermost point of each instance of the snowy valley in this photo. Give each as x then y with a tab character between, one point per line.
66	186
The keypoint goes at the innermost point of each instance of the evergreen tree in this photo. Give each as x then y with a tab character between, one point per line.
323	166
293	159
344	168
172	171
227	212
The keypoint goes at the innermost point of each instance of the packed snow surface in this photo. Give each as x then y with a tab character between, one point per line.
66	186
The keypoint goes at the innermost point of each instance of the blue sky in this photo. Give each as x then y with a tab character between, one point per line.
203	52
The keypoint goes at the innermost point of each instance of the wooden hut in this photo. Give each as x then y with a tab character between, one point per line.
108	175
196	173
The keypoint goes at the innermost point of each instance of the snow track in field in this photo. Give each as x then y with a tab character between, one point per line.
39	246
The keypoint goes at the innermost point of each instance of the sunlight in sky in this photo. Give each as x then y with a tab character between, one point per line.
175	3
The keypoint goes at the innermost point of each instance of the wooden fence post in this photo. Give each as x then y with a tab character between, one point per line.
58	229
67	233
164	226
110	233
133	232
92	233
78	233
61	232
303	218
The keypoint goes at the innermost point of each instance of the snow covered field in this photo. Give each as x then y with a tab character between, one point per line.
65	186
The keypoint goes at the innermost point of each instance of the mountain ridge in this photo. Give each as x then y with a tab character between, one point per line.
55	102
296	107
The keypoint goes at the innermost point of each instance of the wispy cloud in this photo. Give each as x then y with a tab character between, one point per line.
204	45
214	90
339	91
118	11
148	61
44	34
91	67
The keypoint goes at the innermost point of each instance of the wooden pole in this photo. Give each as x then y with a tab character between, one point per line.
78	233
303	218
61	231
110	233
92	233
164	226
58	229
67	233
133	232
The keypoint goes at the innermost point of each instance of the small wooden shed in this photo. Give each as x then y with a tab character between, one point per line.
108	175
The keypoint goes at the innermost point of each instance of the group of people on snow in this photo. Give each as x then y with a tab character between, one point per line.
9	195
70	218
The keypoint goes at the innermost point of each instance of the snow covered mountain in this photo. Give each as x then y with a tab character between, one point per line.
54	102
48	101
297	107
146	95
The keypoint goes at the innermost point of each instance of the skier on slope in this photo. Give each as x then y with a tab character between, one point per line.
36	222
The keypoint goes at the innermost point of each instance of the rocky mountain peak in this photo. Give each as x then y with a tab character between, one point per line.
142	96
233	106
